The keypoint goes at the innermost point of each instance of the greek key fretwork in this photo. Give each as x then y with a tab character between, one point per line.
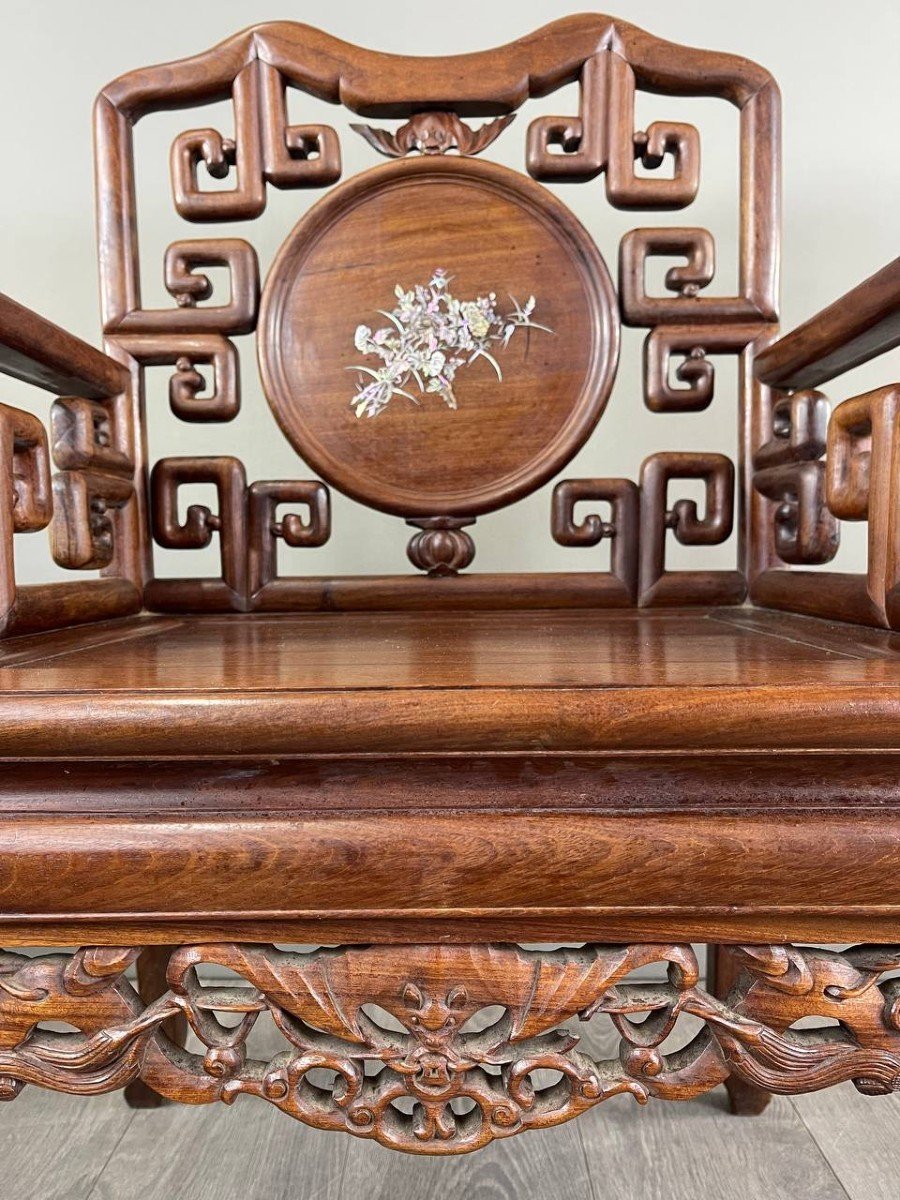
25	496
26	503
265	529
85	434
656	584
265	149
189	286
787	471
442	1047
83	532
294	155
687	306
196	531
694	343
862	483
622	528
603	138
624	188
220	155
188	395
582	140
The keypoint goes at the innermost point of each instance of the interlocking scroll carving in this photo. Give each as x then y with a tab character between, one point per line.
264	149
855	481
603	138
437	103
658	585
622	528
245	524
90	504
862	481
265	530
788	469
443	1077
188	395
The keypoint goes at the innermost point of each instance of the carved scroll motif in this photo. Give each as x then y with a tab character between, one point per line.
245	524
265	530
602	138
622	529
26	502
863	483
91	443
189	398
788	470
441	1048
656	584
264	149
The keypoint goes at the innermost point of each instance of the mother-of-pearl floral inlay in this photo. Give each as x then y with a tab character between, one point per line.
431	335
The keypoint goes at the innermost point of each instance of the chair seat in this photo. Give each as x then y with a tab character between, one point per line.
655	774
459	682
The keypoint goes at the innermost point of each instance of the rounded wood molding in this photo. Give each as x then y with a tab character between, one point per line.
491	230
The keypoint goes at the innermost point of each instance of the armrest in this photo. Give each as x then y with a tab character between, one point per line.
859	326
817	469
37	351
93	446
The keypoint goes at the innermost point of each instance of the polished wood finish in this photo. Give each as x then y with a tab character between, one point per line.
507	436
815	470
443	756
405	462
417	770
861	325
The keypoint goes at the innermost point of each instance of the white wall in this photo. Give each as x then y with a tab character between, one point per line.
837	66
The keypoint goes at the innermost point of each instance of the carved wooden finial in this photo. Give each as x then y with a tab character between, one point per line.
433	133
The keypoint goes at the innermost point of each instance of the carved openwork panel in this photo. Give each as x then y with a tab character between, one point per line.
90	506
394	1043
820	467
438	336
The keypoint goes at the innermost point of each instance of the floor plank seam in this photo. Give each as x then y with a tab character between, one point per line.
819	1148
98	1177
587	1164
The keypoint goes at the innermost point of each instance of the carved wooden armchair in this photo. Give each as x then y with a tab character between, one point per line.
426	771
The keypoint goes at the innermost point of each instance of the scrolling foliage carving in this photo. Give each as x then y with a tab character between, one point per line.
436	1079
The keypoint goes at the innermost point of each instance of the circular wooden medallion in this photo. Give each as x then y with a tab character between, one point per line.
477	228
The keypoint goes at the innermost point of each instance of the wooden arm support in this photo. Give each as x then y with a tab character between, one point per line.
37	351
861	325
857	478
93	443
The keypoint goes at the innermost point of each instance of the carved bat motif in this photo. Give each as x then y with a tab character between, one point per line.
433	133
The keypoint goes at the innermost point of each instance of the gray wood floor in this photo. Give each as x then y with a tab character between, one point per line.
828	1146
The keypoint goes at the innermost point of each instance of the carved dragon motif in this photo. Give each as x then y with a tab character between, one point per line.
441	1049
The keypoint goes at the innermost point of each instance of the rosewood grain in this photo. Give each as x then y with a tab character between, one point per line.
421	771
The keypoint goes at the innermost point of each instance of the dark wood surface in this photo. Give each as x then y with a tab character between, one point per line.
505	437
699	771
859	326
425	682
463	761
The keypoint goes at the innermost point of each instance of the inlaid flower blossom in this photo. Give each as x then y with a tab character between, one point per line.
431	335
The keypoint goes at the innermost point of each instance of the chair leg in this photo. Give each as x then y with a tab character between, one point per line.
151	980
745	1099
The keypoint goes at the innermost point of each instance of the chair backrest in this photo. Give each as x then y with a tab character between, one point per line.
438	336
